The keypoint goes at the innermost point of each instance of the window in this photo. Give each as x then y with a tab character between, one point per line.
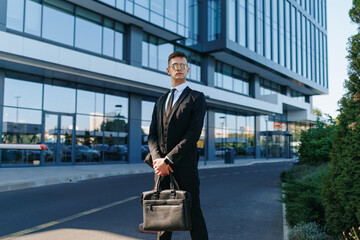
33	17
251	25
242	22
58	23
259	27
231	78
287	35
15	14
268	38
214	20
275	40
88	32
59	99
232	20
282	33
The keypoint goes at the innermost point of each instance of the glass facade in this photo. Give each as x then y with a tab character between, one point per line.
236	132
179	16
93	126
83	123
280	31
231	78
155	53
68	24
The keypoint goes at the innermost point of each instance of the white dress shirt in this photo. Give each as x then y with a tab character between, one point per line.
179	89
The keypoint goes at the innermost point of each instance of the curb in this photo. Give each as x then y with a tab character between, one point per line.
88	176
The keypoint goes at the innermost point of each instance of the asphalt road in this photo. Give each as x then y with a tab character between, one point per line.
238	203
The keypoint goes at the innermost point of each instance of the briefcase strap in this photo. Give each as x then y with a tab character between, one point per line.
173	182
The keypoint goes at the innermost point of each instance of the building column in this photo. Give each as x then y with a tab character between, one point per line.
210	136
254	86
133	43
257	137
3	7
2	84
208	71
134	134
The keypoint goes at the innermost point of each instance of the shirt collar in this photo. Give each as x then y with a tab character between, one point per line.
181	87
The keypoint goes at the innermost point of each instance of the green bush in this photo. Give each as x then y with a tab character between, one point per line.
316	143
308	231
302	194
341	191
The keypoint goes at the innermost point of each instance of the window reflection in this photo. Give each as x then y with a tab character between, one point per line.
22	94
90	103
58	26
33	17
21	126
15	14
146	115
59	99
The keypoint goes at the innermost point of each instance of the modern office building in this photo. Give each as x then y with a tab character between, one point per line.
82	76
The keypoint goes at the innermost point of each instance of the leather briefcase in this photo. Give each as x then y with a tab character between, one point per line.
166	210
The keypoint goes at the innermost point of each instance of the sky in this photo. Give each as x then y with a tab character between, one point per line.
339	30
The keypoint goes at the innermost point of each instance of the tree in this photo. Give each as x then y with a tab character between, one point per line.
316	143
341	191
317	112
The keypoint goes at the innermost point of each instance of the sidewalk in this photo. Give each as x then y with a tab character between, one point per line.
28	177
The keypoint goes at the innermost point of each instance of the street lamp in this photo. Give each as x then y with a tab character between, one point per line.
118	118
17	107
266	142
223	133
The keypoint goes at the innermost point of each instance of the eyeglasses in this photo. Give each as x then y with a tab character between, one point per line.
177	66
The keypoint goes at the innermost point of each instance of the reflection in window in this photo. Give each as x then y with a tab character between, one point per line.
90	103
21	126
214	20
242	22
164	50
231	78
232	20
146	115
15	14
59	99
251	25
58	26
116	106
88	32
33	17
19	93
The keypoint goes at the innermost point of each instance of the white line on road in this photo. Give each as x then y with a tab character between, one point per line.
62	220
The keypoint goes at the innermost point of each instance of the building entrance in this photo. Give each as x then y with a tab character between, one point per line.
275	144
59	137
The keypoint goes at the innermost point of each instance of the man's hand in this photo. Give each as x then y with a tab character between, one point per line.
161	168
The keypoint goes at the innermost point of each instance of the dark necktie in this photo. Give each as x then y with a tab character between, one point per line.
169	105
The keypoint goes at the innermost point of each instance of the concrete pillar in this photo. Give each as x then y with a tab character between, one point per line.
3	7
2	84
257	137
210	137
254	86
133	43
134	134
208	71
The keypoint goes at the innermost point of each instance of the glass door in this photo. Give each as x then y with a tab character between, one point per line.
58	137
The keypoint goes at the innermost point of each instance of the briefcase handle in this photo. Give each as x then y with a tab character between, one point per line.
173	182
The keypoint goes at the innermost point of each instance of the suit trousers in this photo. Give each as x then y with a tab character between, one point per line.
188	180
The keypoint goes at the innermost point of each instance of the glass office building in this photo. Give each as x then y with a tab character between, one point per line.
82	77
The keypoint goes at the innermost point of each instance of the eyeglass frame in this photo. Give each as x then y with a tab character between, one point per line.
185	66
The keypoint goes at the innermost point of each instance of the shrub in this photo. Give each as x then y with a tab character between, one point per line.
308	231
302	194
316	143
341	191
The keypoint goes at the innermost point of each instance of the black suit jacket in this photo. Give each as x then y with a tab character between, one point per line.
176	136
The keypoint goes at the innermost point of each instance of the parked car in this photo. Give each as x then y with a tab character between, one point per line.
85	154
116	153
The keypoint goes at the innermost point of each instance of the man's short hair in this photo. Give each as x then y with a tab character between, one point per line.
177	54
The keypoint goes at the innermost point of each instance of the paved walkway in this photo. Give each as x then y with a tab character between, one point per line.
28	177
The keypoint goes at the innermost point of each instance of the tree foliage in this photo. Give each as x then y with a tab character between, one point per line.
316	143
341	191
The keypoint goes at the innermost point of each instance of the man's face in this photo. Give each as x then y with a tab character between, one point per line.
178	69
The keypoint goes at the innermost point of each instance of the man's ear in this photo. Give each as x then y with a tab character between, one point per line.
168	71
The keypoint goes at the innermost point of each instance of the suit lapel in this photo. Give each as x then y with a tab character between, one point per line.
186	91
161	113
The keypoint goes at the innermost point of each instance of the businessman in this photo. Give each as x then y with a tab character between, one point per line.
175	128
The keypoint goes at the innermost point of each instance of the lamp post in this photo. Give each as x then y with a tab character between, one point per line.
118	118
266	142
223	133
17	107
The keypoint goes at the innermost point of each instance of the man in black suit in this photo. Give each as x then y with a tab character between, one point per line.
175	128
